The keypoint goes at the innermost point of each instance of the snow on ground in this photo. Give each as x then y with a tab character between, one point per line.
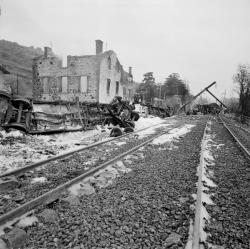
204	173
39	179
146	122
206	160
71	138
102	178
18	149
173	135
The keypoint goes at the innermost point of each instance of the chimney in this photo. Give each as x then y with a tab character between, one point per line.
99	46
130	70
47	52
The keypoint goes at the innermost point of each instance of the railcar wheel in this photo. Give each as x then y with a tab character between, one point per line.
128	130
115	132
16	126
135	116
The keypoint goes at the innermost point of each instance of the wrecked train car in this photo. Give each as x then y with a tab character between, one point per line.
34	118
45	117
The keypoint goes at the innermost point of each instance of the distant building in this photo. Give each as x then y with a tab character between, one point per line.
91	78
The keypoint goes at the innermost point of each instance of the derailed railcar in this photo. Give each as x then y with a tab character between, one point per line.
45	117
161	112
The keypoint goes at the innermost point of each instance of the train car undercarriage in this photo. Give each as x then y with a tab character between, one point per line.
40	117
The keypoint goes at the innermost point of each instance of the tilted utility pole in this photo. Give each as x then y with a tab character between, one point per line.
205	89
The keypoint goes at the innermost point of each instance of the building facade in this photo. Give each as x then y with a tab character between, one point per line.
89	78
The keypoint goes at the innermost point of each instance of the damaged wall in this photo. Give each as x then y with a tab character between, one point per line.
91	78
110	76
51	81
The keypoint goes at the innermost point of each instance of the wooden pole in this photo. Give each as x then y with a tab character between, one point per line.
205	89
216	98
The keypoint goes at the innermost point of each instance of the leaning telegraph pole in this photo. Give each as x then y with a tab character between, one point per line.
205	89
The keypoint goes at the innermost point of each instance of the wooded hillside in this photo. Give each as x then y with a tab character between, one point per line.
17	59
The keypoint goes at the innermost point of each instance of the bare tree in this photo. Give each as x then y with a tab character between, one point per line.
242	78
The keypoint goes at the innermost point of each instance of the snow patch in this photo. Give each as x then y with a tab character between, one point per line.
27	221
146	122
120	143
204	173
150	131
102	178
39	179
173	134
5	134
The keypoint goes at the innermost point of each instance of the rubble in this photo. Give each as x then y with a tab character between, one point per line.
15	239
9	183
48	216
71	200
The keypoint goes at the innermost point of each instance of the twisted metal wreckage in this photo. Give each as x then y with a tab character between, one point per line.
47	117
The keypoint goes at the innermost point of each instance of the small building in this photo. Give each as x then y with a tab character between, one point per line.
89	78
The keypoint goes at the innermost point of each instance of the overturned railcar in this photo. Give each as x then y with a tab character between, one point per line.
46	117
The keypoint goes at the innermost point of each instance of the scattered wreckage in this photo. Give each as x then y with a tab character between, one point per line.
43	117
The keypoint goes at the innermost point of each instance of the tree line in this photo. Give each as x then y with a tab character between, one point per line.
173	85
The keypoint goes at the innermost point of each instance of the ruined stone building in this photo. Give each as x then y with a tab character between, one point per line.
91	78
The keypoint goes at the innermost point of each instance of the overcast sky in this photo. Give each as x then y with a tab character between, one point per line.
202	40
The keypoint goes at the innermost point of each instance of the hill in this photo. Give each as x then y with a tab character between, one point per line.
17	59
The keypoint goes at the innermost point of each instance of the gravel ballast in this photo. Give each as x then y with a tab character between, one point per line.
149	207
61	171
229	225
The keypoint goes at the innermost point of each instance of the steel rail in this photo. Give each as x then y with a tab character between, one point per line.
197	218
235	138
238	126
54	194
65	154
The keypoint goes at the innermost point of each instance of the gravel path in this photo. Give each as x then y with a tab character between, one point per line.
229	225
149	207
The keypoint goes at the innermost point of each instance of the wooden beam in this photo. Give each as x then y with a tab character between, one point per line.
216	98
205	89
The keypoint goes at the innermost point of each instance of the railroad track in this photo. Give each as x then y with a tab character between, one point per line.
59	183
39	163
52	195
12	216
240	134
195	240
